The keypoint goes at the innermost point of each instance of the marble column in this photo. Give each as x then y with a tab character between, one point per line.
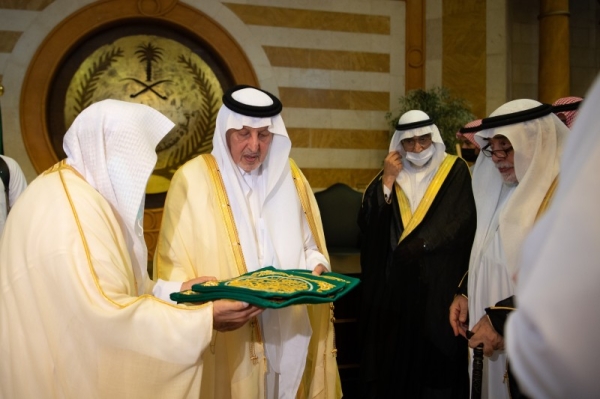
415	45
554	73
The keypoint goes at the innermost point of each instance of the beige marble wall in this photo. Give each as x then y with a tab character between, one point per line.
31	21
497	57
524	31
337	66
434	28
464	52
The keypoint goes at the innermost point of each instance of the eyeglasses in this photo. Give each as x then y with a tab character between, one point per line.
424	141
500	154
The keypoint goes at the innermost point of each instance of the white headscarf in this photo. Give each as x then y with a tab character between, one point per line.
414	180
112	144
277	189
278	230
537	146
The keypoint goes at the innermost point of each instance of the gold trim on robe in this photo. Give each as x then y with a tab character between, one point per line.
60	167
319	315
302	194
234	238
83	280
411	221
547	199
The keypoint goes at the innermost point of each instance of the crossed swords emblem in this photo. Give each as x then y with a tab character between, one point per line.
148	87
148	54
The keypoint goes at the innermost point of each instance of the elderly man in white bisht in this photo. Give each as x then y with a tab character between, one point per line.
241	208
77	315
513	181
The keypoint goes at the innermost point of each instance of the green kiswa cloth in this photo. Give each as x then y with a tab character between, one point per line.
273	288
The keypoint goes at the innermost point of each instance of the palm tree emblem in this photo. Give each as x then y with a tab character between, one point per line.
148	54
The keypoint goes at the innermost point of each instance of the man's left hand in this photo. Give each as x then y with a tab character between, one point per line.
319	269
485	333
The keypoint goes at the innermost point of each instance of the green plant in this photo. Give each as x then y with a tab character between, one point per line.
449	113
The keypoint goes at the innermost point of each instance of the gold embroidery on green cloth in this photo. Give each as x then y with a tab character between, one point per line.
269	285
429	196
272	284
277	282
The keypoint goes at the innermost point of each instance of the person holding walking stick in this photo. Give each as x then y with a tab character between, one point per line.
513	182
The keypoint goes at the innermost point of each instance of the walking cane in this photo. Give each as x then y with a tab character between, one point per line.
477	376
477	372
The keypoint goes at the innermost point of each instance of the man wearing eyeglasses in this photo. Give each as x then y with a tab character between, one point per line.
418	222
513	183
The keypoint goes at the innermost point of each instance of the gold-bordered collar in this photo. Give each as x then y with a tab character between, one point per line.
411	221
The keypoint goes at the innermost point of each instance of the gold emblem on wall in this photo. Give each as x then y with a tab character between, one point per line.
84	55
159	72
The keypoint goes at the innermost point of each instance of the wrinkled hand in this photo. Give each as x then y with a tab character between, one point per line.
484	332
230	315
459	311
392	166
319	269
198	280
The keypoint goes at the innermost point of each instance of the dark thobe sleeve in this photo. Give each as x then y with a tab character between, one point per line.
499	313
379	225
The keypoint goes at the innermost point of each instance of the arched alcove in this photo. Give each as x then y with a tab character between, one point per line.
94	25
83	25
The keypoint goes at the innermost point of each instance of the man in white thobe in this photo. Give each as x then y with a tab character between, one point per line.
513	180
241	208
77	315
552	336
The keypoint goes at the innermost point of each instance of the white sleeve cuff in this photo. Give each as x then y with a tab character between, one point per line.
386	191
314	258
163	289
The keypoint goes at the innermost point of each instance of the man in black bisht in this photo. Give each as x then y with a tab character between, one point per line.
418	222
